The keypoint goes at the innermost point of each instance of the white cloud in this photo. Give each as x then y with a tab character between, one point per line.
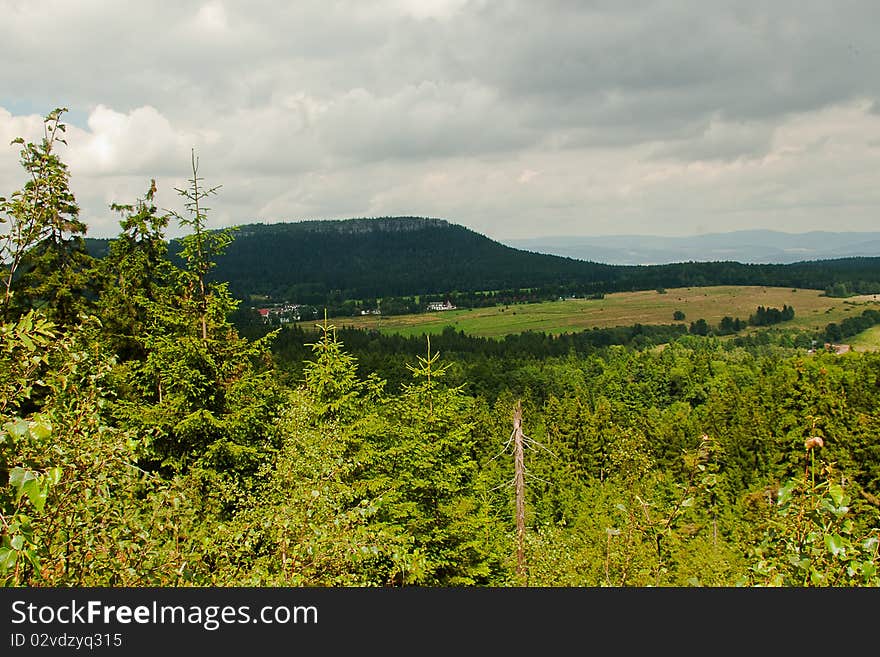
506	117
141	142
211	18
425	9
428	120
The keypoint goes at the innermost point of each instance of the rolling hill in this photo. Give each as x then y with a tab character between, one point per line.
329	261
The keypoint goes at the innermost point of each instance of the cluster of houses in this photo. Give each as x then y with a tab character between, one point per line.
289	312
440	305
292	312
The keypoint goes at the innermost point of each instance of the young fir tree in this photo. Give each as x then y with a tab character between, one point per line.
411	460
429	475
199	249
134	274
313	520
46	262
333	382
201	394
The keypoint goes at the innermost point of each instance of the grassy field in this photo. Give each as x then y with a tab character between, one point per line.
812	310
866	340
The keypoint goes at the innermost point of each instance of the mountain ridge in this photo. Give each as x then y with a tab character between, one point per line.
354	225
746	246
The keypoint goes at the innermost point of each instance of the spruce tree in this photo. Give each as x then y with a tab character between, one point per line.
46	262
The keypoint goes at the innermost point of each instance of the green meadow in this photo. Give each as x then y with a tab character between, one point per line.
813	310
866	340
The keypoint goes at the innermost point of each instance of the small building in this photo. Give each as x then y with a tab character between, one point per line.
440	305
288	312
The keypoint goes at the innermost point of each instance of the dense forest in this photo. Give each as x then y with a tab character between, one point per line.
149	440
402	263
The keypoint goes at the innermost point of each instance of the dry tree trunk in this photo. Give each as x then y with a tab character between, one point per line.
519	485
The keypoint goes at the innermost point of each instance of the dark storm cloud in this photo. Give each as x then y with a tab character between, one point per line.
377	105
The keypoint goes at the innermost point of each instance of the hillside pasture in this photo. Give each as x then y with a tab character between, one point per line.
813	310
866	340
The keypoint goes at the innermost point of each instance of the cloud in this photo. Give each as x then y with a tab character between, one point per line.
669	116
721	140
140	142
428	120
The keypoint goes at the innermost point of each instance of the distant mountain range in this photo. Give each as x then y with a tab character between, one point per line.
746	246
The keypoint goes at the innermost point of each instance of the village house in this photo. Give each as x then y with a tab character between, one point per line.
288	312
440	305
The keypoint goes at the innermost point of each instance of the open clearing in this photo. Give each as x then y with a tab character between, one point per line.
812	311
866	340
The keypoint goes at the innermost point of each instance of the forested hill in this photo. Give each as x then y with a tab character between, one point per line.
310	261
385	257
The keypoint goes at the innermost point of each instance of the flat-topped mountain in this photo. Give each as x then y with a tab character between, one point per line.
329	261
347	226
387	256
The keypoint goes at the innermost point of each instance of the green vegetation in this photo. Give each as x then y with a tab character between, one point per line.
147	441
868	340
713	304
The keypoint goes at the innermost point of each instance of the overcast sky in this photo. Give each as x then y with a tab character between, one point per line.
515	119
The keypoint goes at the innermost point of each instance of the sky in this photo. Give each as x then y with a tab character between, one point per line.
514	119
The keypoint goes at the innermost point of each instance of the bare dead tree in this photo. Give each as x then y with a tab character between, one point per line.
520	488
520	442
